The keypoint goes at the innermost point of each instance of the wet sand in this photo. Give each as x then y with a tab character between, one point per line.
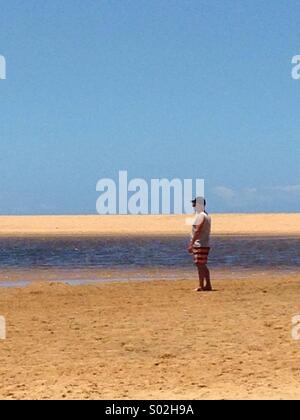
223	224
152	340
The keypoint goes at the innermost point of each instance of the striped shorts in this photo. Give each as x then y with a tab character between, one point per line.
201	255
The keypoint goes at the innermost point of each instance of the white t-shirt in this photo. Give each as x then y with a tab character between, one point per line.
204	240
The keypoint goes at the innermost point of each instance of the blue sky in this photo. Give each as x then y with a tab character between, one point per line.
162	88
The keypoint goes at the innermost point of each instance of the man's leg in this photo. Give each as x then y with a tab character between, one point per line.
208	286
201	277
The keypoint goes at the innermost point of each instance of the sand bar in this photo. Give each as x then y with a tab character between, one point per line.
223	224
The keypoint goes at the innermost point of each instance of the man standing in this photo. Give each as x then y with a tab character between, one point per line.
200	243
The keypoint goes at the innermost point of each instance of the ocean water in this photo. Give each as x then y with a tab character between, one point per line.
156	253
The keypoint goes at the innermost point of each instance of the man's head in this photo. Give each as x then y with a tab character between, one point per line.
199	204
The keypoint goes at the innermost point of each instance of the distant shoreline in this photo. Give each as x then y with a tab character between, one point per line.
285	224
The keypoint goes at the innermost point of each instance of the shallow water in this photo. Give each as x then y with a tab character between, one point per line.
135	253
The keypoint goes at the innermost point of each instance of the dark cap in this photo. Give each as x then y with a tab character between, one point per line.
199	200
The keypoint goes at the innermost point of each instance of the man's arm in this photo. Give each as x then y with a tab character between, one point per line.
197	233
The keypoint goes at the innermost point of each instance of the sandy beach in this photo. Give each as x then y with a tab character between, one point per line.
152	107
223	224
152	340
